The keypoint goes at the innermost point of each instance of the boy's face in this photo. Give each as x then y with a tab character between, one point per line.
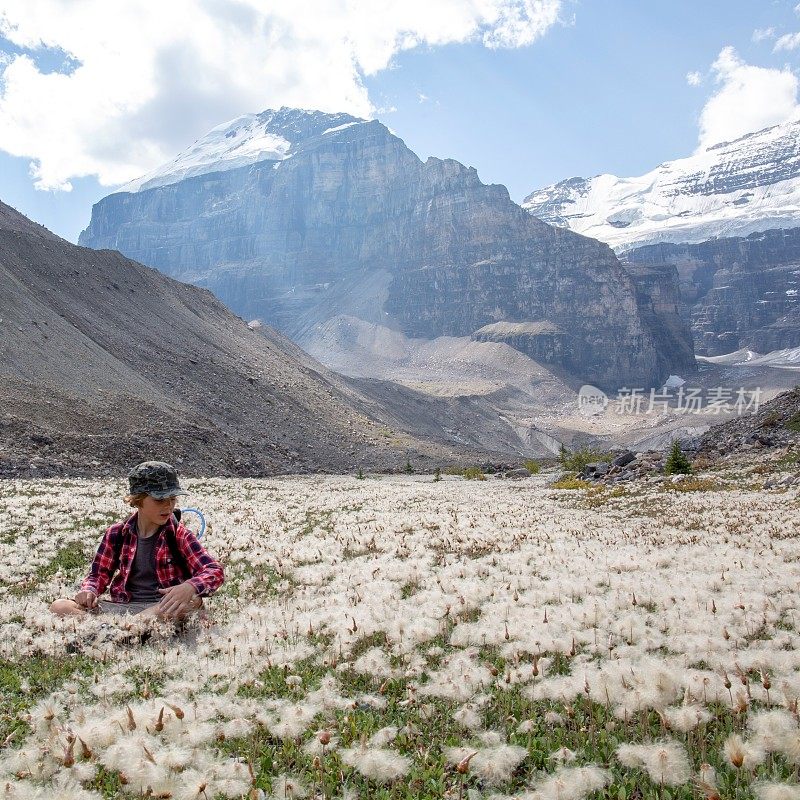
157	511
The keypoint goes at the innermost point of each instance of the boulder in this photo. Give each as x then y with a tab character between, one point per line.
624	459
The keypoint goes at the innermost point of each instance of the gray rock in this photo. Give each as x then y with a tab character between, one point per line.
521	472
624	458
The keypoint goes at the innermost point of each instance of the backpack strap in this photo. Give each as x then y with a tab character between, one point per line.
172	544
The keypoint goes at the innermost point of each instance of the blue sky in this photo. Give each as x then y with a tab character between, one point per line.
603	90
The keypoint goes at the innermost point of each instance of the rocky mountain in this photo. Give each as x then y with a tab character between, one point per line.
731	189
739	292
105	363
299	217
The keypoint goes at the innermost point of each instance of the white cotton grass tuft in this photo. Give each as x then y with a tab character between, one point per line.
630	755
65	788
572	783
383	737
236	728
467	717
563	755
322	742
287	787
665	762
495	764
45	716
742	755
199	733
790	747
768	790
128	752
375	662
770	729
706	782
176	757
491	738
192	785
293	721
378	764
686	718
82	771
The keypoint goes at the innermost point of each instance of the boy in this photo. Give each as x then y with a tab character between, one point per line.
161	568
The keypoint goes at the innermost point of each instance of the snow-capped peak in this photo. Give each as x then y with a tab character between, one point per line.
248	139
731	189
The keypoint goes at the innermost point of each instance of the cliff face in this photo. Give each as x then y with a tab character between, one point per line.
345	219
659	299
738	292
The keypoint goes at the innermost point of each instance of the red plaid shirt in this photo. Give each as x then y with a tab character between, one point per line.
185	560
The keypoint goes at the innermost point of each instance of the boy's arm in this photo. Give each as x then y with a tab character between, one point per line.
207	573
104	565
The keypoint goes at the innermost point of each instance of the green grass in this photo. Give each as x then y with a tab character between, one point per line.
576	461
268	584
588	728
71	559
793	423
317	519
570	482
789	460
22	685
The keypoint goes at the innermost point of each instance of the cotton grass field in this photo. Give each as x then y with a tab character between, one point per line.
401	637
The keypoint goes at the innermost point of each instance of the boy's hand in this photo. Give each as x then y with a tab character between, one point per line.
177	600
86	599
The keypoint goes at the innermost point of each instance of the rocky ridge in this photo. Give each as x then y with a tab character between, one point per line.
105	362
774	428
775	425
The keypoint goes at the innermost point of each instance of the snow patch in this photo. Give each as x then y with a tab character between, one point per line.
340	127
789	358
242	141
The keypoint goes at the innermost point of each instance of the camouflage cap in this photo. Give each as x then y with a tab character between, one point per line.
155	478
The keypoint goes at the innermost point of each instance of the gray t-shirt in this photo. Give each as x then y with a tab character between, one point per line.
142	581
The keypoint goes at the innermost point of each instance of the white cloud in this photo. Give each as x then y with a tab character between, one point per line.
153	77
749	98
760	34
423	98
789	41
694	78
